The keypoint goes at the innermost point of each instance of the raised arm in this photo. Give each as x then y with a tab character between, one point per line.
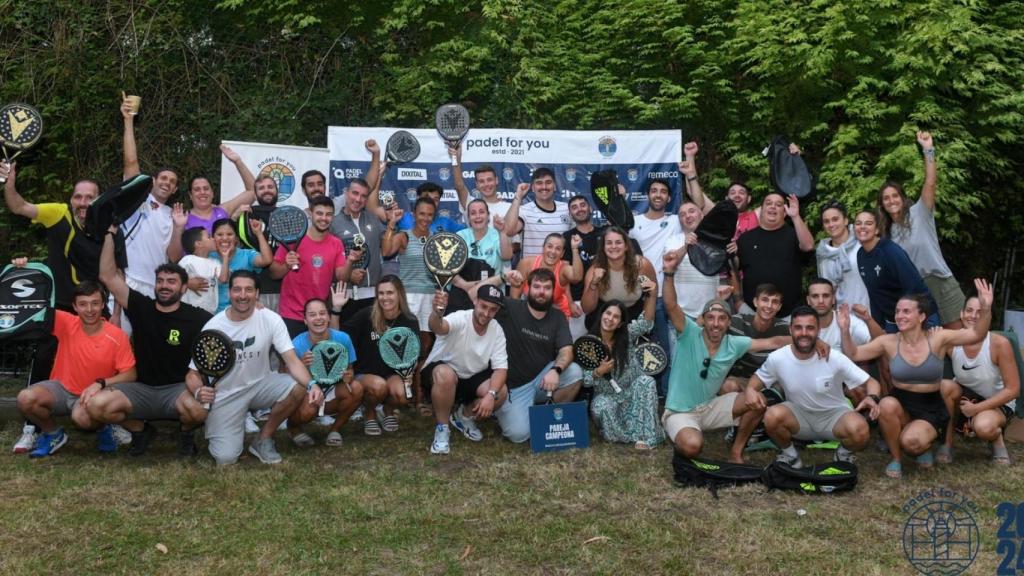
930	170
688	168
109	275
504	242
179	217
513	225
131	153
460	185
248	196
574	274
374	175
865	353
392	242
266	256
15	202
437	324
668	291
803	234
968	336
650	288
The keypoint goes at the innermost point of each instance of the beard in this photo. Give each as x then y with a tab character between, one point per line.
804	346
171	300
539	305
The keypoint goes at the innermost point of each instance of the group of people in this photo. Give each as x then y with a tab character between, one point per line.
745	350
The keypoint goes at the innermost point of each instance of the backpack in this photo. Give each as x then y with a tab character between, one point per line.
713	474
714	233
27	299
604	189
818	479
788	172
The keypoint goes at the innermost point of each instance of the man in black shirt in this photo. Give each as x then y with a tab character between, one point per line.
774	253
162	341
537	338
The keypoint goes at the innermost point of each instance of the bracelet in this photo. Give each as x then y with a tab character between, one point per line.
335	312
102	382
691	178
558	369
875	398
929	153
669	274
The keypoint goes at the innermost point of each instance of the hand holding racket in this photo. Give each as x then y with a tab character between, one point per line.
288	225
399	349
591	353
652	358
21	127
402	148
445	254
330	361
452	122
213	354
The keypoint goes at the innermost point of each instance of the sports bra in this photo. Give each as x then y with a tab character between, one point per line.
927	372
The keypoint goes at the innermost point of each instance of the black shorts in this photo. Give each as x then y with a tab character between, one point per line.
465	389
975	397
927	406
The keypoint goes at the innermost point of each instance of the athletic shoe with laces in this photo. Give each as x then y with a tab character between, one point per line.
440	445
357	415
251	427
264	449
844	455
791	461
465	425
48	443
141	440
187	444
121	435
105	441
27	441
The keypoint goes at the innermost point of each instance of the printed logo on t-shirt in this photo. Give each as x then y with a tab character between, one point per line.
318	261
174	337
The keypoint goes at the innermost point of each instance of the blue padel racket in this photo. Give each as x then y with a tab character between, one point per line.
330	360
400	350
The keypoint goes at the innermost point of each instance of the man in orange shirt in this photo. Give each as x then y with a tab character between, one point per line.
91	354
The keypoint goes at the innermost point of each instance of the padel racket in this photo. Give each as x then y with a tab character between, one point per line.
399	349
452	122
589	352
213	354
652	358
330	360
445	254
21	127
288	225
402	148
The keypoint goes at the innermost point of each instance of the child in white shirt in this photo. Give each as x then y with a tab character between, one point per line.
203	272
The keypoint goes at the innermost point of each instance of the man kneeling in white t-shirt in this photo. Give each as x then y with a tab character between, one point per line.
250	385
815	407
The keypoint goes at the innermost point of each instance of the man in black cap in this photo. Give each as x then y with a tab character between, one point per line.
467	366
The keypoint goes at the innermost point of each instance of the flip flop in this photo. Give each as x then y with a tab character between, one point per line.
425	410
944	454
894	470
1000	456
926	460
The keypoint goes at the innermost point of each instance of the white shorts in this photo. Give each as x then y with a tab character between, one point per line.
711	416
421	306
816	425
225	424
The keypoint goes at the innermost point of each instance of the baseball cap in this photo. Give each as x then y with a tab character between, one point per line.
491	294
716	304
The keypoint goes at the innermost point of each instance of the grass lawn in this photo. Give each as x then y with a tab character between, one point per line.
386	506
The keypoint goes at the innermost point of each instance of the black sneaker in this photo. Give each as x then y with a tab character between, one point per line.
187	444
141	440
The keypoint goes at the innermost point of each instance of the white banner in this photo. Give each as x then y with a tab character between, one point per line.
285	164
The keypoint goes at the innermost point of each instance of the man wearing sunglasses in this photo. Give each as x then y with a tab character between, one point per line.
702	359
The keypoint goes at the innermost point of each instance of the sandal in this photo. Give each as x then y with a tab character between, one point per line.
894	470
641	445
333	438
371	427
1000	456
425	410
944	454
926	460
390	423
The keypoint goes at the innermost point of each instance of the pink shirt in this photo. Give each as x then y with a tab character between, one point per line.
313	279
745	222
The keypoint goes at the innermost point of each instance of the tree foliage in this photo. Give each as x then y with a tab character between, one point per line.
850	80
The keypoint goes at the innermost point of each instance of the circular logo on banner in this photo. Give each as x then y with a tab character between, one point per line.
410	193
606	146
283	175
941	535
444	174
570	174
633	174
508	173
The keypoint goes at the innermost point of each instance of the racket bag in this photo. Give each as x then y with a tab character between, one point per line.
714	233
116	205
788	172
829	478
604	189
713	474
27	299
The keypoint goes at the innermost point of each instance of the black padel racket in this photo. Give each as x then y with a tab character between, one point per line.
445	254
21	127
652	358
452	122
589	352
288	225
213	354
330	360
402	148
399	349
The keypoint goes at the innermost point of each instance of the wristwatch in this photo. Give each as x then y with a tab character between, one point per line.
875	398
102	382
493	393
558	369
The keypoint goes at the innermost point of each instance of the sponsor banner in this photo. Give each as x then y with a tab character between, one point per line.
637	156
285	164
559	426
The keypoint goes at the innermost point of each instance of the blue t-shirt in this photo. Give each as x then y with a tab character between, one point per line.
686	389
303	345
244	259
440	224
487	248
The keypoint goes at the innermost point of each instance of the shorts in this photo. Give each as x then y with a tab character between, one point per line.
927	406
225	424
714	415
63	401
817	425
973	396
151	402
421	306
465	389
514	414
948	296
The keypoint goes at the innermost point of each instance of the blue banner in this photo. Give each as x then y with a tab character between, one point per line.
559	427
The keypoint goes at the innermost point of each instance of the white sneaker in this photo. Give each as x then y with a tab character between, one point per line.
465	425
326	420
440	445
357	415
27	441
380	411
251	427
792	462
122	436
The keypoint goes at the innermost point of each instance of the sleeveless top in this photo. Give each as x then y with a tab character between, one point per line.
195	221
927	372
979	374
412	271
560	296
617	289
